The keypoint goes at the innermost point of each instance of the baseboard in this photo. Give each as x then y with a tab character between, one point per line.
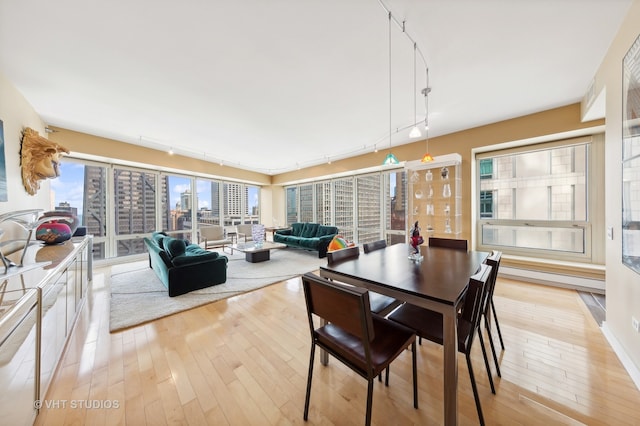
628	365
557	280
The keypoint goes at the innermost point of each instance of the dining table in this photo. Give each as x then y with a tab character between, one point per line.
437	282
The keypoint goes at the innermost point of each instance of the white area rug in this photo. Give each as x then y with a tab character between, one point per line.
138	296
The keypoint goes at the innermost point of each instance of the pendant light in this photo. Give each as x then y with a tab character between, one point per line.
415	132
426	157
390	159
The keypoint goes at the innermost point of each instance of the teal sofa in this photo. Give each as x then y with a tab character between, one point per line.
308	236
184	267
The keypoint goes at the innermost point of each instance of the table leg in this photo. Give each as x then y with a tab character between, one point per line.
450	334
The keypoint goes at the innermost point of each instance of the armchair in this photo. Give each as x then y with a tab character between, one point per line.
213	236
244	231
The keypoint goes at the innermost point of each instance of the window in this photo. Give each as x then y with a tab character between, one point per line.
536	200
292	205
306	203
364	207
176	205
142	201
343	202
134	209
395	204
368	208
252	211
208	200
82	189
486	204
323	203
486	168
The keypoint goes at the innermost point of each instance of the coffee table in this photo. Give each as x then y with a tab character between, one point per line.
255	254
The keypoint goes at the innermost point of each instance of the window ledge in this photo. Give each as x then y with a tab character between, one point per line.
577	269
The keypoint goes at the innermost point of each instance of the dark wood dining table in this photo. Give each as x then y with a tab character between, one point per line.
437	282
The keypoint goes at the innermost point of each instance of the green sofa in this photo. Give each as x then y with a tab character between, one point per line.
184	267
308	236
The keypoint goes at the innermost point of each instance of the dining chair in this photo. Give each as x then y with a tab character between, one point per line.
451	243
428	324
375	245
494	261
365	342
380	304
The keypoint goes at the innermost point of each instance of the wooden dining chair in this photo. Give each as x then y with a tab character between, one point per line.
380	304
494	261
428	324
451	243
375	245
365	342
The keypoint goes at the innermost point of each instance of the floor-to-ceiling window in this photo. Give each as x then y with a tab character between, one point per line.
365	207
121	205
134	209
369	213
82	189
176	205
208	201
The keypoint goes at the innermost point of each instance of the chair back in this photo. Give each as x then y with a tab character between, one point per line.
494	261
474	298
244	228
376	245
343	254
343	306
451	243
212	232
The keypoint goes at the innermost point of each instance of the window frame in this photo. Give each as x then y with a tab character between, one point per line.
592	226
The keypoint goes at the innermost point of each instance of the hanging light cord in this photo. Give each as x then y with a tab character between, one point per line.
390	100
415	114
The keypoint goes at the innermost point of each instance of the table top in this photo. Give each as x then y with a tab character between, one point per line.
251	247
442	275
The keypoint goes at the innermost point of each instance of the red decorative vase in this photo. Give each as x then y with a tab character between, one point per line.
53	232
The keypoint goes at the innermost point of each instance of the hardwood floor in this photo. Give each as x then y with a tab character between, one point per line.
244	361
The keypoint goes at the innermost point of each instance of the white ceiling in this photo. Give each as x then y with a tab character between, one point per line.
275	85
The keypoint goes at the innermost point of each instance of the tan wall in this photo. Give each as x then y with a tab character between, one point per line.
545	123
16	114
82	143
622	284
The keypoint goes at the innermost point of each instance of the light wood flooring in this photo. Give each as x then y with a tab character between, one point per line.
244	361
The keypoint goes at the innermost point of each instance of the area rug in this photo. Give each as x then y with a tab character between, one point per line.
138	296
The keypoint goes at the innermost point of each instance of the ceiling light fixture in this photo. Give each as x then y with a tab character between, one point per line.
390	159
170	151
415	132
426	157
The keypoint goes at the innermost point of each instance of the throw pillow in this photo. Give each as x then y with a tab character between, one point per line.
174	247
339	242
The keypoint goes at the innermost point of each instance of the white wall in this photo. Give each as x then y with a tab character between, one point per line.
16	114
622	284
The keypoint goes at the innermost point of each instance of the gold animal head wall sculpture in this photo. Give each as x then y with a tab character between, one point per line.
40	159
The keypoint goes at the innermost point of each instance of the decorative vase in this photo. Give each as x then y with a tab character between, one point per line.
257	233
53	232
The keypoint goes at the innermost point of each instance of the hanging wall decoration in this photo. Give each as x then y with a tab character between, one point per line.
39	159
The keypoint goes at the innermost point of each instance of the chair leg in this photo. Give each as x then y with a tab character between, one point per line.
310	376
486	361
493	347
415	375
495	317
367	420
475	390
386	376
